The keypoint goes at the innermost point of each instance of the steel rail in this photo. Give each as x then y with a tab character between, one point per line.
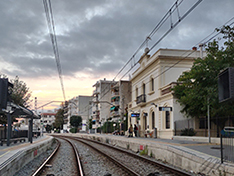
116	162
39	170
161	165
81	172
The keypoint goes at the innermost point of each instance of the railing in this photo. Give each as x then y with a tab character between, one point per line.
14	134
95	92
115	103
115	113
114	93
97	117
227	144
141	99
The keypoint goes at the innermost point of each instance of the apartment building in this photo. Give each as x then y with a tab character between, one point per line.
120	97
153	105
101	102
48	118
78	106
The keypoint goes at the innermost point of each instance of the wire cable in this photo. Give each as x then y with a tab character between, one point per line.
51	27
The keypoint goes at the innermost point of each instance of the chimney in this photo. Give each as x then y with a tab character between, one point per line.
201	50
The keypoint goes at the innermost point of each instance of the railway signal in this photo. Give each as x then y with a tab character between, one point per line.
4	92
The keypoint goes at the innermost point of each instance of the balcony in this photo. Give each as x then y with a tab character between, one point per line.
96	117
115	103
141	99
115	113
96	112
114	93
95	92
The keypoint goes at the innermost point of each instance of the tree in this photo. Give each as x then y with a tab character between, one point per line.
48	128
59	119
199	87
90	124
20	95
75	121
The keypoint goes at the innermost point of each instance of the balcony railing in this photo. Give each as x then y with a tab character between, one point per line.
114	93
141	99
115	113
95	92
116	103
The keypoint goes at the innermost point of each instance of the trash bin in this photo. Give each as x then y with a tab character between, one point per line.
155	133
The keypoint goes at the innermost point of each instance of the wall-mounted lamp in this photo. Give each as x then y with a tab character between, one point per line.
154	104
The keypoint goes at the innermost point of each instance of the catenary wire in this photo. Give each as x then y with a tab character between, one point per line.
154	30
209	39
51	27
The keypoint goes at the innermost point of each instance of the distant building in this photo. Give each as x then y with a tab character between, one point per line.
78	106
48	118
101	102
120	97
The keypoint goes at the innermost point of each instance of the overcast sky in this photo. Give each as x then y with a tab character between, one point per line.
95	38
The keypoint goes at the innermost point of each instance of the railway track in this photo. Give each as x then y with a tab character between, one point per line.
52	165
130	163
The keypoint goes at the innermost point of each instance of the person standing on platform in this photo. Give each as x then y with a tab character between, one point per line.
130	130
135	130
138	129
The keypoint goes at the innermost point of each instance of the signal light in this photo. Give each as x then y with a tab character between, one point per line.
4	92
226	84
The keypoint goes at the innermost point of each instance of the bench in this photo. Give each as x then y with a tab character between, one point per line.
15	140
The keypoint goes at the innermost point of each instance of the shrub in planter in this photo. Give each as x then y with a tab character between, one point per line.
73	130
188	132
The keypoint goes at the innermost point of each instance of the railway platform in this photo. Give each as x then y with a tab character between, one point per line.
15	156
194	156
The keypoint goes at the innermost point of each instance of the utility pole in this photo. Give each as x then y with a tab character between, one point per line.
208	98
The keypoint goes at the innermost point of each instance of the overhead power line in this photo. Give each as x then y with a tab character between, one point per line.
168	31
203	41
169	13
51	27
175	7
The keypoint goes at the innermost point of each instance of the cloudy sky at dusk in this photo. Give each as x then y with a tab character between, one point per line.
95	39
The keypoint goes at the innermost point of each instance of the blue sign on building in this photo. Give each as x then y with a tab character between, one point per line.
135	115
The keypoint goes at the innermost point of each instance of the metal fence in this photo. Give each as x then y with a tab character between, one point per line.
227	144
14	134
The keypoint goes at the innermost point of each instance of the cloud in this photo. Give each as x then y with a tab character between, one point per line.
95	38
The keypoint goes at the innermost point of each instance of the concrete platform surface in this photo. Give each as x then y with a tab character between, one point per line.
15	156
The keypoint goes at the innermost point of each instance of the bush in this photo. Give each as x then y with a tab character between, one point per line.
188	132
73	130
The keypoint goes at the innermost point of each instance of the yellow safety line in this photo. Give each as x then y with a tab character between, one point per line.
4	153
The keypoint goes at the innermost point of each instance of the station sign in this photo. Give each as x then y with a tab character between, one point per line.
135	115
165	108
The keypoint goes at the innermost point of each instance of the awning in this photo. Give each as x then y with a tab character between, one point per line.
112	108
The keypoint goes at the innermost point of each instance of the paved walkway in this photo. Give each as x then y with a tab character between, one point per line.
8	151
202	147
